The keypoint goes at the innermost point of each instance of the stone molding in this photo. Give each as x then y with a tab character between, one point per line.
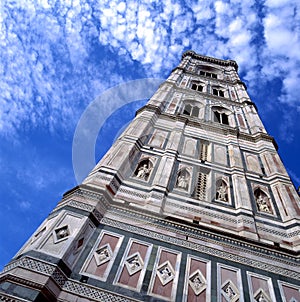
211	251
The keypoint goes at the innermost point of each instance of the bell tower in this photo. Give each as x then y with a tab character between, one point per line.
191	203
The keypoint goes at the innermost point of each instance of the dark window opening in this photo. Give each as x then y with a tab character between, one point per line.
221	118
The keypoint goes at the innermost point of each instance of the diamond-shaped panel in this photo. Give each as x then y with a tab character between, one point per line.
261	296
197	282
165	273
134	263
230	292
61	233
103	254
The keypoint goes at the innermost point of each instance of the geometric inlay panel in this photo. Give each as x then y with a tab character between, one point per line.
165	273
197	282
230	286
103	254
261	288
61	233
230	292
134	263
261	296
289	292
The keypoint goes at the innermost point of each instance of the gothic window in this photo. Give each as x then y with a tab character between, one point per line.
221	115
198	86
221	118
207	74
262	201
218	92
191	110
144	169
195	111
187	109
183	178
221	190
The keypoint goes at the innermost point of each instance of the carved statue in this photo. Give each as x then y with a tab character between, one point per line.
143	172
221	193
262	203
182	182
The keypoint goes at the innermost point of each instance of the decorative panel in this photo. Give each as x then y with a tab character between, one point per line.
260	288
189	147
230	287
252	163
133	266
158	138
220	154
289	292
197	285
101	258
63	233
164	279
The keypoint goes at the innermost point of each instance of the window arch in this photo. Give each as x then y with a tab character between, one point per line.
208	71
191	109
221	115
218	91
197	86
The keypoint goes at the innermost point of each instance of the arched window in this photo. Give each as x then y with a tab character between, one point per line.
220	115
198	86
208	71
218	92
187	109
208	74
191	109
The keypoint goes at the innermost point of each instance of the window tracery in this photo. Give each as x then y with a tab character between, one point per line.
221	115
198	86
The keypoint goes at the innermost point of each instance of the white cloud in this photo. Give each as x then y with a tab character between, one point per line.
49	52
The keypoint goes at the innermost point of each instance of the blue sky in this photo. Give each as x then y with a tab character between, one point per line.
56	57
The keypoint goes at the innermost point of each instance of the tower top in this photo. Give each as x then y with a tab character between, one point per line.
210	59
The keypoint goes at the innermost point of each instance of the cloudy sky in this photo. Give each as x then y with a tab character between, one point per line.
56	57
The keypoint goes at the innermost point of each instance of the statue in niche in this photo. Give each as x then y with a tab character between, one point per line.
222	191
144	169
262	203
183	179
